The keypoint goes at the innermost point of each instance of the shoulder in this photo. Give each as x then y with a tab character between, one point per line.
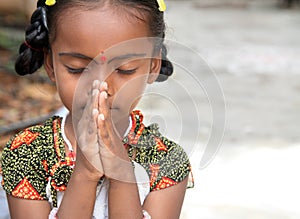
25	160
165	161
32	140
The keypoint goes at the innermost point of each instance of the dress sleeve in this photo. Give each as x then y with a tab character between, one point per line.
166	162
171	167
24	175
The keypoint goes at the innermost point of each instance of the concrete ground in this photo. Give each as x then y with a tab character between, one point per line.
254	51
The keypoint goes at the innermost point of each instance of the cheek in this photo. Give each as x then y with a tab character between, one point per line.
66	88
66	94
130	93
134	104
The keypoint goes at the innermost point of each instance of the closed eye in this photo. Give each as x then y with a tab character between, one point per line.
126	71
75	70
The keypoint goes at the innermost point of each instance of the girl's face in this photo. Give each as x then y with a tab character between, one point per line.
82	35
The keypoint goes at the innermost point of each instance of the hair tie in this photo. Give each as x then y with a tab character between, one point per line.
30	47
162	5
50	2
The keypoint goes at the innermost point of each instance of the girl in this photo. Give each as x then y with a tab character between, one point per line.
79	166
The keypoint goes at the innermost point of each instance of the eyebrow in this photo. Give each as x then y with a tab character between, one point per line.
127	56
76	55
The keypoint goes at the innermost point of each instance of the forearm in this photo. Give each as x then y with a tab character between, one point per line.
123	200
79	198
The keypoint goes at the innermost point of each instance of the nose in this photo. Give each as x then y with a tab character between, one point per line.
110	84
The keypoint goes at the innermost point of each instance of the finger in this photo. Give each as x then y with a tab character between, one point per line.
88	121
92	107
95	92
103	86
92	101
102	101
103	130
103	104
96	84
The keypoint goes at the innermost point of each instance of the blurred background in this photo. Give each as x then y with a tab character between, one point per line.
253	47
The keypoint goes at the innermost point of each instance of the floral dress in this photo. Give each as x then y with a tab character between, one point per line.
36	165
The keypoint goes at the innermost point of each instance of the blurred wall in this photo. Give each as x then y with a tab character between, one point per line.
18	6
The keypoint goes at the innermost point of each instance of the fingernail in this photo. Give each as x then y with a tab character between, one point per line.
101	116
95	92
104	85
95	112
96	83
104	94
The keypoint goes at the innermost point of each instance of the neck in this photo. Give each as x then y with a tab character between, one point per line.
122	126
69	131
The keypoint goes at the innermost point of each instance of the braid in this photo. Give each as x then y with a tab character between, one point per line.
31	54
166	69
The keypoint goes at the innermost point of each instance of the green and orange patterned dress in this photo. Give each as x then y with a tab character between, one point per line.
37	158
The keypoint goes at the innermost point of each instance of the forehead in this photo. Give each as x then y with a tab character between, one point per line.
93	31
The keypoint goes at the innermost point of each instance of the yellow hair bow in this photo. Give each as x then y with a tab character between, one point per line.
162	5
50	2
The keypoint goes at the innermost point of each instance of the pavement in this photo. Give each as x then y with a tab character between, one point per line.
253	50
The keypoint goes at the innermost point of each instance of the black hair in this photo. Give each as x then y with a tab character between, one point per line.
41	31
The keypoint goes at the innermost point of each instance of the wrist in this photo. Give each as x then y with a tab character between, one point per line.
121	173
85	169
126	177
86	173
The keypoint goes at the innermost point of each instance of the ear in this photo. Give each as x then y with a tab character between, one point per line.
48	65
154	69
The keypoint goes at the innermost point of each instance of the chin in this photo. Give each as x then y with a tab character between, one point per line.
118	114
